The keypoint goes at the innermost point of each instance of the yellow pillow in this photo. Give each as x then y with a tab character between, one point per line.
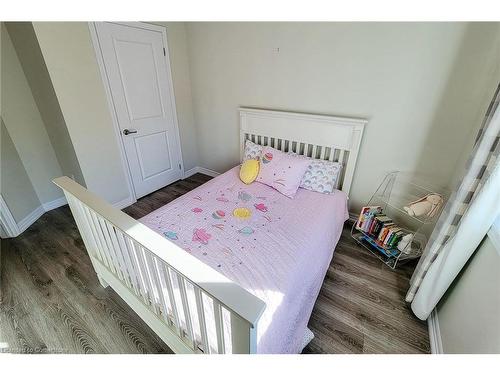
249	171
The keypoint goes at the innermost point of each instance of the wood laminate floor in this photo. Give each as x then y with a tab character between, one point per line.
52	302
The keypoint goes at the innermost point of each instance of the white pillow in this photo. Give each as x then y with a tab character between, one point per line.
322	176
252	150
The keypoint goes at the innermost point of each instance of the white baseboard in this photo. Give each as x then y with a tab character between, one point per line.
9	224
435	333
56	203
30	219
190	172
202	170
14	229
124	203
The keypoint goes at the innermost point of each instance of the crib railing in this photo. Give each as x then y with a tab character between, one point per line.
192	307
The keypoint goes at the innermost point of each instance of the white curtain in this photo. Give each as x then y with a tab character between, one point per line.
473	227
467	216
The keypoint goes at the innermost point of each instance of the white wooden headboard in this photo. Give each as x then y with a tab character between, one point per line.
317	136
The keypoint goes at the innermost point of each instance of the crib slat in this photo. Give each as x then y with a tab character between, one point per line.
93	229
345	158
219	328
110	237
163	283
156	266
201	318
128	262
322	153
119	253
228	336
337	155
185	308
155	285
334	155
341	156
314	151
136	272
140	277
168	283
109	246
102	243
142	266
82	222
86	214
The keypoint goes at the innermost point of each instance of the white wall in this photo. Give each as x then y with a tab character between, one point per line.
469	314
15	185
404	78
31	59
25	126
71	62
423	87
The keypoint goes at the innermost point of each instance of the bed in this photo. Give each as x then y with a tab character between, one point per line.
208	282
280	254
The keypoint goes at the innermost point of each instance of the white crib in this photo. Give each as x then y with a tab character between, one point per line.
189	305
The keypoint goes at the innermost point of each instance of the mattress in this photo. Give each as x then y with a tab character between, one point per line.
277	248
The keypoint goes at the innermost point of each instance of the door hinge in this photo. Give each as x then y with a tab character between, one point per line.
180	167
164	52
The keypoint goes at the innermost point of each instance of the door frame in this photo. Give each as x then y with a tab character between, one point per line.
107	89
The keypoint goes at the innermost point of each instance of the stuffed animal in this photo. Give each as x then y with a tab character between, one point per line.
426	206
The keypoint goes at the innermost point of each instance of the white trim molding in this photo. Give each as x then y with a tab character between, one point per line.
7	220
56	203
435	333
14	229
193	171
124	203
30	219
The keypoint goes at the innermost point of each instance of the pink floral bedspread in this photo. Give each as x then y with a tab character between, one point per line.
277	248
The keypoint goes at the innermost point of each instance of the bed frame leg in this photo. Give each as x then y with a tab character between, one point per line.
102	282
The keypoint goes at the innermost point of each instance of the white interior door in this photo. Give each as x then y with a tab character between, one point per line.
138	74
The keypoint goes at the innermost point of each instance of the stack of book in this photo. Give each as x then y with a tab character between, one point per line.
383	232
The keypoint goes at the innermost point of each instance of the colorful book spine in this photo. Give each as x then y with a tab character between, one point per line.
366	217
379	227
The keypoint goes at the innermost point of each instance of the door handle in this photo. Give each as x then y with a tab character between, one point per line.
129	131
